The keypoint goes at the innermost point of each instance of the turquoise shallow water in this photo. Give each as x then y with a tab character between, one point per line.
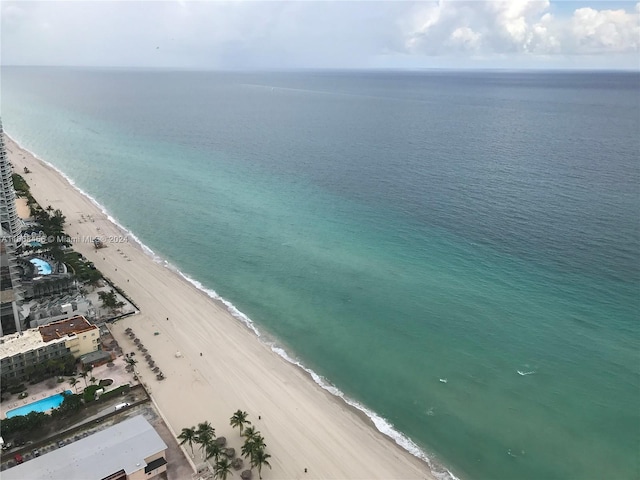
390	230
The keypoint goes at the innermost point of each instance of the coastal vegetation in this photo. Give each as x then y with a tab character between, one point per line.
20	185
81	268
110	300
239	419
22	423
223	459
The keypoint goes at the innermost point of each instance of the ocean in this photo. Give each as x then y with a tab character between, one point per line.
456	252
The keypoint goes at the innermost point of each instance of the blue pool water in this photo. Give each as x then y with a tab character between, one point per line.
43	267
54	401
35	244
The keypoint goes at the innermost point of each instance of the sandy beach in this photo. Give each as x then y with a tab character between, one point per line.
22	208
303	425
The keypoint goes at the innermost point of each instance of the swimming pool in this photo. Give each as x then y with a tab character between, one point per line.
43	267
43	405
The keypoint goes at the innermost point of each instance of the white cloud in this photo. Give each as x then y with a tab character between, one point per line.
520	27
602	31
250	34
465	39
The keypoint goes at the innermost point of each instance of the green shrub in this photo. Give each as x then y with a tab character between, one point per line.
17	388
89	394
71	404
115	392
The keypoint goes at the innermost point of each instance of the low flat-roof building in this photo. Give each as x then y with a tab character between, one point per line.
130	450
22	351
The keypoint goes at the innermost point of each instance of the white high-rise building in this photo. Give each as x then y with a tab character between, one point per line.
10	228
9	221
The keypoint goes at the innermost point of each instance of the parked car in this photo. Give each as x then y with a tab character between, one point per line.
18	458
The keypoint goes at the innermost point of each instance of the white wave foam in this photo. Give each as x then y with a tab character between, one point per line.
383	425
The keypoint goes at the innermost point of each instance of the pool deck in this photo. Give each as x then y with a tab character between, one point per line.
49	387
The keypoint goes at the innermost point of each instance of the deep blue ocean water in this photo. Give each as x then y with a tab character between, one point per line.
390	229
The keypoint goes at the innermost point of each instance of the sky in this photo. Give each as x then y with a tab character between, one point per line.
257	35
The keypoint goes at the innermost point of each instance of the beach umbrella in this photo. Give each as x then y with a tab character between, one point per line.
128	329
156	369
245	475
221	441
144	350
237	463
230	452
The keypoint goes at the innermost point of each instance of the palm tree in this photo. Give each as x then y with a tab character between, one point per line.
250	432
252	445
84	376
239	419
222	468
93	380
258	442
205	433
212	450
259	459
188	435
73	381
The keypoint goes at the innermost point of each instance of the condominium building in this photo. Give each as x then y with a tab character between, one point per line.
9	221
22	351
10	227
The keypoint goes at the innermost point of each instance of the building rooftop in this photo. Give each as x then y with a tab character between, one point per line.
64	328
35	338
22	342
121	447
93	357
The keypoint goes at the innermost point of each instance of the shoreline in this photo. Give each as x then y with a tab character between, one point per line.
364	458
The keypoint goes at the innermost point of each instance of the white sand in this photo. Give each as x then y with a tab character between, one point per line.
22	208
303	425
